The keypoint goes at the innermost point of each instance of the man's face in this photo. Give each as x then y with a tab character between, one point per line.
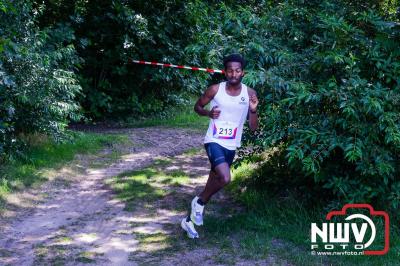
234	72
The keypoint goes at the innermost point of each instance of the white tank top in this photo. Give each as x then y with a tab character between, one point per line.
227	129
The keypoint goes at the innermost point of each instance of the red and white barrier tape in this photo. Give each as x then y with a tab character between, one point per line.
178	66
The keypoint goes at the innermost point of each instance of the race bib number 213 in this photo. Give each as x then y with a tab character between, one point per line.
224	130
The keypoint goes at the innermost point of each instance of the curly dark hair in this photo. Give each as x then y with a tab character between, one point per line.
234	58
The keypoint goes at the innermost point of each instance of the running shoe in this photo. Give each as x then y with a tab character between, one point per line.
189	228
196	215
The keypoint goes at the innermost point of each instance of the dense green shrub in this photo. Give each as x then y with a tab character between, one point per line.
37	83
328	78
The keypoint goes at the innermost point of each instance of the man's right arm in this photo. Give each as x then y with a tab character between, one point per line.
204	99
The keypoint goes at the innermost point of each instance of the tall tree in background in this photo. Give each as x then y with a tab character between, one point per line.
109	34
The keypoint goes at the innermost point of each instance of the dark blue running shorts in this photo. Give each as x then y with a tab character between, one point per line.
218	154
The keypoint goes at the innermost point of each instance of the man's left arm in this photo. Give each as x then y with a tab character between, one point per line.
253	117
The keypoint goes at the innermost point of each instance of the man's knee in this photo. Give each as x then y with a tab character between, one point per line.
223	173
225	179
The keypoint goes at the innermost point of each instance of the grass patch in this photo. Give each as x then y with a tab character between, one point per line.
175	178
144	189
137	186
279	227
82	259
178	116
46	154
192	151
64	239
51	255
156	246
86	257
146	186
162	161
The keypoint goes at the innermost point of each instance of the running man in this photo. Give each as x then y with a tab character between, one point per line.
231	103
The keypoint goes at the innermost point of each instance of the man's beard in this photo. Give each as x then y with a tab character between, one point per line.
235	82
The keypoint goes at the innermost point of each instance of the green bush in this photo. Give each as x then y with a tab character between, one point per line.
327	75
37	82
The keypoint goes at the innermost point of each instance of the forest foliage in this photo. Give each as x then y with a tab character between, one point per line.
327	74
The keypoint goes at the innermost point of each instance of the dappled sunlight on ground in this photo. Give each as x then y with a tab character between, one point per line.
87	238
79	219
125	212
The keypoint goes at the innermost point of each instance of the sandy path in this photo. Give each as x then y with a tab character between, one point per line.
80	221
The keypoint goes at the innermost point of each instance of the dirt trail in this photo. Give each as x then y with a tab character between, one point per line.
81	222
84	213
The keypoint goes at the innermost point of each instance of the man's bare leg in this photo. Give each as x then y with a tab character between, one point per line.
217	179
